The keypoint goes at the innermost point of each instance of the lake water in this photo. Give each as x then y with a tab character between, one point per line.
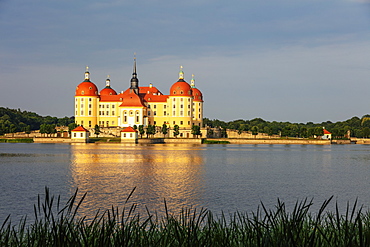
224	178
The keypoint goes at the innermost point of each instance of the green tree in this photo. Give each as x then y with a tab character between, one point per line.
254	130
141	131
97	130
150	130
366	132
43	128
195	130
164	129
176	130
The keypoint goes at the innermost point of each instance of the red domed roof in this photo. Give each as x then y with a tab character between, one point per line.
86	88
180	88
197	95
108	91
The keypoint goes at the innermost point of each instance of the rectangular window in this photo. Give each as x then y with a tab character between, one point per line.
102	106
188	113
181	106
181	122
89	105
164	106
82	123
155	113
137	119
112	106
107	106
124	134
181	113
112	113
107	123
148	106
89	113
82	105
107	113
174	106
82	113
75	134
188	122
164	113
125	119
155	122
113	123
155	106
89	99
90	124
82	99
148	113
81	134
174	113
174	122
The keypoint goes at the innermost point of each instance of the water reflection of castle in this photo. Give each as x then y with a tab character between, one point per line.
108	172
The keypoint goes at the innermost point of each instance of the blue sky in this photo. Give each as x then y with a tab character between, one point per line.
280	60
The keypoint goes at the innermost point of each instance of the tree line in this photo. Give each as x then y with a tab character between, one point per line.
355	127
15	120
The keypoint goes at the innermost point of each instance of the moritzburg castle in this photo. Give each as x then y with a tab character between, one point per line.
137	105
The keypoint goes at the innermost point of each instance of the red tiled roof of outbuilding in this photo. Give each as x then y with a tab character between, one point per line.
80	129
129	129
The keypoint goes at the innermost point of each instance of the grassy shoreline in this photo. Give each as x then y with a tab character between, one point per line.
58	224
16	140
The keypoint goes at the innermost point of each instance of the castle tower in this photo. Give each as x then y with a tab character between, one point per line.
180	103
197	104
134	80
86	102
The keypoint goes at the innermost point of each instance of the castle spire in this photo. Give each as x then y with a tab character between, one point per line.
87	74
134	80
181	74
192	82
107	81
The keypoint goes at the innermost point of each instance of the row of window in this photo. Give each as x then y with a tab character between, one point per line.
102	113
106	123
82	99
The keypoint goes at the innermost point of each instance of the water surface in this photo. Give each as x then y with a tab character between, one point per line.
218	177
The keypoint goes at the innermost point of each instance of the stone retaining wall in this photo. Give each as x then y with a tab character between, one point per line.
274	141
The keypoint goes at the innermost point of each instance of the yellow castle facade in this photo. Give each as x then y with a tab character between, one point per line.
137	105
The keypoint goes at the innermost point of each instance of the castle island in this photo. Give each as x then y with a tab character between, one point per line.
139	106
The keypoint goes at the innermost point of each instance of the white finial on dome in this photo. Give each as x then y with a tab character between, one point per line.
192	82
181	74
87	74
107	81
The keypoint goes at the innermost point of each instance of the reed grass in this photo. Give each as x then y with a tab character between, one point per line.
60	225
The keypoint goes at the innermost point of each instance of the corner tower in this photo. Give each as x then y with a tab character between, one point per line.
180	102
197	104
86	102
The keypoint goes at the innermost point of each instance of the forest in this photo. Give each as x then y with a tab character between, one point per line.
15	120
356	127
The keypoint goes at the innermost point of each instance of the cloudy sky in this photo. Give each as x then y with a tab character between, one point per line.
281	60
